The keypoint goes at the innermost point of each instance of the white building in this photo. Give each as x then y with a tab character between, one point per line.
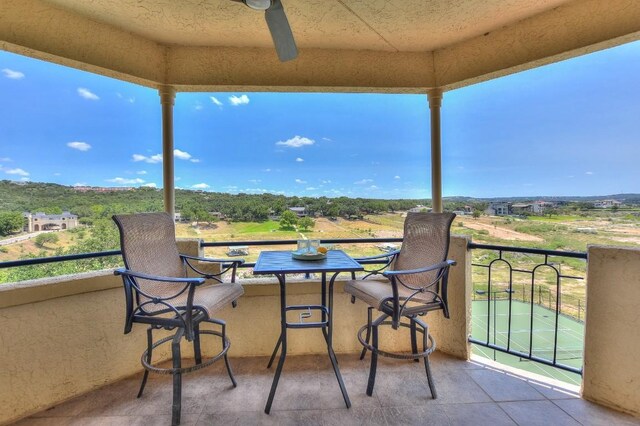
46	222
498	209
606	204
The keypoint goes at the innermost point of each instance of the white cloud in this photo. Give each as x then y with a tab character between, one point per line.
396	177
57	174
12	74
363	181
124	181
87	94
80	146
5	159
198	106
267	170
25	179
299	160
255	180
141	172
327	139
300	181
200	186
310	188
588	173
238	100
18	172
131	100
80	184
217	102
181	155
154	159
324	182
296	142
150	185
373	187
194	160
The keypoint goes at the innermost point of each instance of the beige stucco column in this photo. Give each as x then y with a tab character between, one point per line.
167	98
435	102
612	328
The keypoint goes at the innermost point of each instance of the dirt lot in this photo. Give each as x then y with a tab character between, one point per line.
498	232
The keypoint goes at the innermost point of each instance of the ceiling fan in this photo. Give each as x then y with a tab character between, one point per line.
278	26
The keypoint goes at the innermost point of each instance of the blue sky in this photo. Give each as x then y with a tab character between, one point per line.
570	128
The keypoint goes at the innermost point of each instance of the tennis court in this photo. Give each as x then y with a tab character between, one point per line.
570	336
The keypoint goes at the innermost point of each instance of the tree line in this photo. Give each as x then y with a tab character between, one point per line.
193	205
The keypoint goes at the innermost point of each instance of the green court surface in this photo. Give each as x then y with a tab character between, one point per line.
495	314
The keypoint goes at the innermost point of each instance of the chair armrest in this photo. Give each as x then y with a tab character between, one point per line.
212	260
440	265
129	273
225	266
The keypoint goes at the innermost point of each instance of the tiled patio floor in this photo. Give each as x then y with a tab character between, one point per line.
469	393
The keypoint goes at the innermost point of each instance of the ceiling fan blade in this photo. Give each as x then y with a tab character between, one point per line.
281	32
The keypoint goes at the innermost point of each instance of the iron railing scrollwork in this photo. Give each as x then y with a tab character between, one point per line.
501	288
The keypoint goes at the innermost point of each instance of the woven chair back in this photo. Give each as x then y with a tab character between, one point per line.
148	243
425	242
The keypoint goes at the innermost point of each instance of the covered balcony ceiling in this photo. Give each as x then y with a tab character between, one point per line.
345	45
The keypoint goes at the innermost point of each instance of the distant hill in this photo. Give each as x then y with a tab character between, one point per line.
89	202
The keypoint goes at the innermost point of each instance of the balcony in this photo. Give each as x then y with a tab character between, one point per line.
62	350
66	360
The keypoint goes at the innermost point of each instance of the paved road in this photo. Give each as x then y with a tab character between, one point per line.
20	238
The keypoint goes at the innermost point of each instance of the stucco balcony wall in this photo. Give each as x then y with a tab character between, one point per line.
612	329
63	337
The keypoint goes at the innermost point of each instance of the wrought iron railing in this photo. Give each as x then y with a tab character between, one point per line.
294	242
509	291
94	255
515	319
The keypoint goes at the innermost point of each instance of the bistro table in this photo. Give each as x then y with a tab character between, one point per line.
281	263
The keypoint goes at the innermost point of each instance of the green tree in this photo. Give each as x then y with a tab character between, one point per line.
288	219
476	213
10	222
43	239
333	211
306	223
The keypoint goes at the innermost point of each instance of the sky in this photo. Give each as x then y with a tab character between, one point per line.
569	128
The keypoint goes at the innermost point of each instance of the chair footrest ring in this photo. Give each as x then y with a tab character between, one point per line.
430	348
203	364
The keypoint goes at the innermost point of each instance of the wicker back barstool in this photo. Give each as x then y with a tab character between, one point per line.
160	293
412	282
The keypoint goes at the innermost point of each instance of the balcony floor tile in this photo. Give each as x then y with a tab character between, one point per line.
471	393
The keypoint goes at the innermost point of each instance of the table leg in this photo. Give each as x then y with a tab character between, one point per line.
282	341
324	303
275	351
332	355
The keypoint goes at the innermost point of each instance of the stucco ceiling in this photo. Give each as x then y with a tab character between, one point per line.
383	25
345	45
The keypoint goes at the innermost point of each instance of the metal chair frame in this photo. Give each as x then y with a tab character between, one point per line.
185	319
395	308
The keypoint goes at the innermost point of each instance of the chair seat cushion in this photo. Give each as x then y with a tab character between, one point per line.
374	292
213	297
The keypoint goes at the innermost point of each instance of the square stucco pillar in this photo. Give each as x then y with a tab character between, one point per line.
452	335
612	329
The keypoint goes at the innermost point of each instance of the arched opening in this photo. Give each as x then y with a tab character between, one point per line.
64	226
36	227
